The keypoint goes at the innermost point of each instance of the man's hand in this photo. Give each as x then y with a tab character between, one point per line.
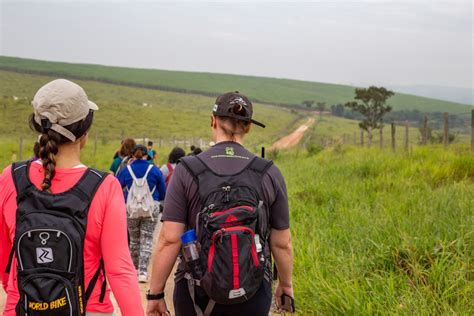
157	308
280	290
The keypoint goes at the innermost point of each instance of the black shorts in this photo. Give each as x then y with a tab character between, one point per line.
258	305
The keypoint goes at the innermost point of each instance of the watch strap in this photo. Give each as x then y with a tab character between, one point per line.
154	297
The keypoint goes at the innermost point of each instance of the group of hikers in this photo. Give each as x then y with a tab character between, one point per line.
134	165
70	234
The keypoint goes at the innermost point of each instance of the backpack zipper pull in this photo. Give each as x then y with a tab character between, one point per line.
226	190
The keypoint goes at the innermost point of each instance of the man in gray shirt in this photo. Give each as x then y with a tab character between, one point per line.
231	120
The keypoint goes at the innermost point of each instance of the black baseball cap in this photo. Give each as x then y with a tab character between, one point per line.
139	147
235	105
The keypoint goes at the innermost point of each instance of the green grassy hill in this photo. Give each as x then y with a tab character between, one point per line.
382	233
128	112
268	90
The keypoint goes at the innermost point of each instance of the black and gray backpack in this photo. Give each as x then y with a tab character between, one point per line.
233	231
49	245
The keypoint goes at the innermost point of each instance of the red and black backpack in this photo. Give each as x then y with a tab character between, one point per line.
233	231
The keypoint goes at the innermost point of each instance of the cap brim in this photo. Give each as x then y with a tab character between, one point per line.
238	117
258	123
92	106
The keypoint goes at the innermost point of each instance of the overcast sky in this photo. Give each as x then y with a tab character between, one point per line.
339	41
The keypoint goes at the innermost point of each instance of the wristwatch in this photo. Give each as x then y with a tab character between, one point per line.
154	297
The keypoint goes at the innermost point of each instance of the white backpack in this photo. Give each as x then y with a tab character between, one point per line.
140	202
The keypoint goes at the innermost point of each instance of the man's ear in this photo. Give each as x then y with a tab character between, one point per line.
213	121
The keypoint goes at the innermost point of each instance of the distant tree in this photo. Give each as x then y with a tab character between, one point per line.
308	103
337	109
321	106
373	107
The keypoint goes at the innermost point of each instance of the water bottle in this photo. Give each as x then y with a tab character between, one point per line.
191	253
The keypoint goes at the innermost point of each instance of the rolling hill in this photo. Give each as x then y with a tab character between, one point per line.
168	118
266	90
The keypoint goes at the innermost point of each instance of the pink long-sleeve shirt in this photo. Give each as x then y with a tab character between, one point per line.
106	237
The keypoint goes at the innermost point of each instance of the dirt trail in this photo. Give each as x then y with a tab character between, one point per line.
294	138
2	300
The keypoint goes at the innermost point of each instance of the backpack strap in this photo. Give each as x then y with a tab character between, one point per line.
147	171
89	184
21	179
87	187
93	282
134	177
260	165
195	166
192	283
23	185
133	174
146	175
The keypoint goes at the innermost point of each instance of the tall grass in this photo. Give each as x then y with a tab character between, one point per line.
381	233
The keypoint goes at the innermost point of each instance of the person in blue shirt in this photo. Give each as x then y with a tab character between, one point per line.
141	230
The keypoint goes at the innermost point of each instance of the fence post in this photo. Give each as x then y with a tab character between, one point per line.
472	131
361	137
394	144
95	146
424	137
381	136
407	141
21	148
446	129
355	138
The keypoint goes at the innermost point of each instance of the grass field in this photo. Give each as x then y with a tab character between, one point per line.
168	115
382	233
270	90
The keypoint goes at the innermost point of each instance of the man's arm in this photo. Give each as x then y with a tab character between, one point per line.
167	250
282	250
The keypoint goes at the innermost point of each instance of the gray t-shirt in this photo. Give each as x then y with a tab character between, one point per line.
182	202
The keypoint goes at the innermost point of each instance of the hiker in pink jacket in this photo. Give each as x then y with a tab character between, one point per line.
63	115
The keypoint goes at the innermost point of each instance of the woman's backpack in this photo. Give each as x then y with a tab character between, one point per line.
233	231
140	202
49	245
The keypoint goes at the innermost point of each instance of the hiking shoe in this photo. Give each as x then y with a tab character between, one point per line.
143	277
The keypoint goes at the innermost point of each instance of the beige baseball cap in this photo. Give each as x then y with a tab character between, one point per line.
62	103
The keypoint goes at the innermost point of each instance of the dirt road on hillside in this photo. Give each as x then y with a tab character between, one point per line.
294	138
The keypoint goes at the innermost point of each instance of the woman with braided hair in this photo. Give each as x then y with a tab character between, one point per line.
63	115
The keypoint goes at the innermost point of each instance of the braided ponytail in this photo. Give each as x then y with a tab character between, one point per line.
49	143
